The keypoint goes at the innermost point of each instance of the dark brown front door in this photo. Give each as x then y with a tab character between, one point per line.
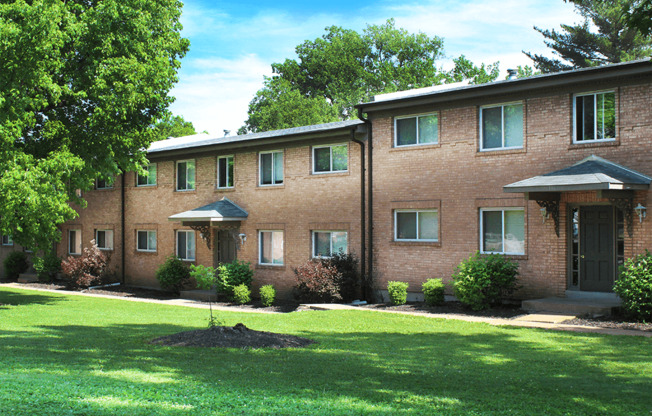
597	248
225	247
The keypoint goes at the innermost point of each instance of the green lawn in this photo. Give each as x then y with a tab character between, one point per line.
74	355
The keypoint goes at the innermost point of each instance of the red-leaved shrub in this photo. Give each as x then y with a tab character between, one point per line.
317	281
88	269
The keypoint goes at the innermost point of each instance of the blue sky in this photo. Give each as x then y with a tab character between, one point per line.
234	42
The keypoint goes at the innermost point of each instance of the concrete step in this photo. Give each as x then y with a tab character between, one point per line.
572	306
201	295
27	278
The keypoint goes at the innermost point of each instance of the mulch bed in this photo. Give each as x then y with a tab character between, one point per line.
504	311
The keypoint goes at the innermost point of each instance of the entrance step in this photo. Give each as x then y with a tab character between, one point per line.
27	278
200	295
572	306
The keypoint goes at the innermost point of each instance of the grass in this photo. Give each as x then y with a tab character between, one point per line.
74	355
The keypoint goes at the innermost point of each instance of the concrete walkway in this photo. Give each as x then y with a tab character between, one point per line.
534	320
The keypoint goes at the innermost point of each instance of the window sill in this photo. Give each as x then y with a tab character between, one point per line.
395	148
591	144
231	189
270	266
329	174
509	256
146	186
415	243
184	191
500	152
281	186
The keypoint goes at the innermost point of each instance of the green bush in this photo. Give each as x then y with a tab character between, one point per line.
484	280
173	274
241	294
397	292
634	286
230	275
47	266
348	281
267	295
15	263
203	275
433	291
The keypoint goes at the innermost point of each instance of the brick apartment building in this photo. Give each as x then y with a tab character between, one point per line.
551	170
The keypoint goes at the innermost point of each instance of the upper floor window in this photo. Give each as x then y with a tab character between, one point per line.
502	230
271	247
415	130
7	240
104	239
271	168
225	172
416	225
146	240
74	242
150	178
104	184
332	158
328	243
185	175
186	245
595	116
501	127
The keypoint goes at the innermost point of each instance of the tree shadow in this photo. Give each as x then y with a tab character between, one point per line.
9	297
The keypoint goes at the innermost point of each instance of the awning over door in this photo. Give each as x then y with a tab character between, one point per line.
218	211
592	173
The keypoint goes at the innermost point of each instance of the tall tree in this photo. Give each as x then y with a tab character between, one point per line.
639	15
343	68
81	83
579	46
173	126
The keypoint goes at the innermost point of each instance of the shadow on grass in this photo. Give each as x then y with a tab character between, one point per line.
16	298
113	369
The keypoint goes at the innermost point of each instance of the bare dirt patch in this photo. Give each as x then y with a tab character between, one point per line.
238	336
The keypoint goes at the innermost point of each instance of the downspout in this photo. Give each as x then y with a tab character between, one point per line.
122	225
370	199
363	231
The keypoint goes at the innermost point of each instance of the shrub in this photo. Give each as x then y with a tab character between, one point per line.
634	286
317	281
267	295
15	263
47	266
433	291
91	268
241	294
397	292
230	275
173	274
203	275
349	277
484	280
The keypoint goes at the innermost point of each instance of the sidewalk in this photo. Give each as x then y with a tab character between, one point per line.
535	320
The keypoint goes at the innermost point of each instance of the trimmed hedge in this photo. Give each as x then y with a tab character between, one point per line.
634	286
397	292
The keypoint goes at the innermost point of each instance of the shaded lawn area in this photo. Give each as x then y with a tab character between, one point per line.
87	356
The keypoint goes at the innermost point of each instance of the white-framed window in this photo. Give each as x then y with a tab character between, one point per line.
7	240
416	225
501	126
270	247
329	243
271	168
330	158
146	240
416	130
104	184
185	175
594	116
502	230
225	171
186	245
104	239
150	178
74	242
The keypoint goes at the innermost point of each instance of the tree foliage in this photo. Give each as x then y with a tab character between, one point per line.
639	16
81	83
605	36
343	68
173	126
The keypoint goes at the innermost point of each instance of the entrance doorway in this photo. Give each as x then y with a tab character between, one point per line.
225	246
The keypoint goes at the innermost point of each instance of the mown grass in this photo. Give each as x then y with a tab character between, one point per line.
74	355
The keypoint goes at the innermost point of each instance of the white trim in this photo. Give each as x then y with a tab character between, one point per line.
416	211
260	168
415	116
260	247
148	250
227	172
107	233
148	176
595	119
176	174
314	172
502	210
176	244
502	126
313	232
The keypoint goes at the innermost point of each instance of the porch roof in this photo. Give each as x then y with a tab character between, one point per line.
222	210
591	173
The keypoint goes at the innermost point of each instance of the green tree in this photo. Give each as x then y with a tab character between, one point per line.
81	83
467	70
639	15
343	68
580	46
173	126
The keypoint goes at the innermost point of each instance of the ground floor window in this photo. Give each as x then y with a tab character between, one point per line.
328	243
74	242
186	245
146	240
502	230
271	247
104	239
412	225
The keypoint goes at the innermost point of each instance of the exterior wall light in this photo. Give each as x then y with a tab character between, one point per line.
243	238
640	211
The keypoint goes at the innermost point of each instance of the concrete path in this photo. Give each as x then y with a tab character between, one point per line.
542	321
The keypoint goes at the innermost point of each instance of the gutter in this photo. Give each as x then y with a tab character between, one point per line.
368	282
363	231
